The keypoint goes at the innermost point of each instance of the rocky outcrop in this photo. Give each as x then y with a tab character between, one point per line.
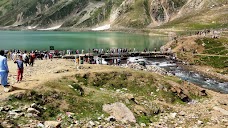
52	124
120	112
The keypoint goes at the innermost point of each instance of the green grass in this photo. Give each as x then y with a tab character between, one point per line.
213	47
133	82
215	61
86	98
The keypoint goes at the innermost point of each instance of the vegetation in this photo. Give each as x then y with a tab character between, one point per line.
83	96
216	52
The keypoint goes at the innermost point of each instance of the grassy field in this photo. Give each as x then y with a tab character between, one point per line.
215	53
84	94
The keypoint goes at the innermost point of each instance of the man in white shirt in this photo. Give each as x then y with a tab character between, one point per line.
3	69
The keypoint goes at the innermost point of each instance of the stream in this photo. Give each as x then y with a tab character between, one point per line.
191	76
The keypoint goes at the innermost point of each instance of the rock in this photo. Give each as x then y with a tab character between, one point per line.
203	93
70	86
29	115
100	117
8	124
120	112
129	96
173	115
91	123
8	89
34	105
1	109
100	126
52	124
40	125
7	108
143	125
111	119
199	122
14	114
33	111
182	113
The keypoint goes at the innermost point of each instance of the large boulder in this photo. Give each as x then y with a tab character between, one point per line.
52	124
120	112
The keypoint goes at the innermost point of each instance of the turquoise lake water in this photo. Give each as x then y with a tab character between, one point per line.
41	40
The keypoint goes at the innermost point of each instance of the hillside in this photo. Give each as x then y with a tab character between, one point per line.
56	93
179	14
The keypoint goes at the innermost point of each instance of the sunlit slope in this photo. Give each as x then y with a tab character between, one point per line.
179	14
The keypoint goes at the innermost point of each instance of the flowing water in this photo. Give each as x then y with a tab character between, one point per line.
41	40
191	76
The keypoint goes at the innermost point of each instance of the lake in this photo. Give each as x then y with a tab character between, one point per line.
41	40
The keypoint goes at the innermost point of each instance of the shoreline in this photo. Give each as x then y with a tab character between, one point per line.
144	31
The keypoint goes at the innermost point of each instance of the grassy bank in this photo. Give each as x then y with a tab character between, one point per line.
83	96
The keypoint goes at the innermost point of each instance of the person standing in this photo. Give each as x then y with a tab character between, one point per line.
50	56
4	70
20	68
25	58
32	58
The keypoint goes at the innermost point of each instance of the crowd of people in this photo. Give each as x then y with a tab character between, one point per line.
20	58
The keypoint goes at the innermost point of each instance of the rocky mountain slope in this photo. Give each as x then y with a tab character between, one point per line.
117	13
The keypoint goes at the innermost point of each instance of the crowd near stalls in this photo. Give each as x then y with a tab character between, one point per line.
29	56
91	56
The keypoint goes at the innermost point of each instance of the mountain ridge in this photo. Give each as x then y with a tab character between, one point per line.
184	14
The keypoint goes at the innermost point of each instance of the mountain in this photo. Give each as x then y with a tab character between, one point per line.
187	14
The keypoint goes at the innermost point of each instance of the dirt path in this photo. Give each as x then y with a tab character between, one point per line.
43	70
210	55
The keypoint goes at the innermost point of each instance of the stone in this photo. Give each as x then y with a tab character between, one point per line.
100	126
129	96
120	112
8	89
199	122
34	105
33	110
70	86
29	115
91	123
173	115
1	109
7	108
52	124
203	93
40	125
143	125
182	113
14	114
111	119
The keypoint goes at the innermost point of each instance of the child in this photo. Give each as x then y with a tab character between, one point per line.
20	68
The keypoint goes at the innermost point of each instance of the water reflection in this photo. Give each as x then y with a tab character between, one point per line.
41	40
